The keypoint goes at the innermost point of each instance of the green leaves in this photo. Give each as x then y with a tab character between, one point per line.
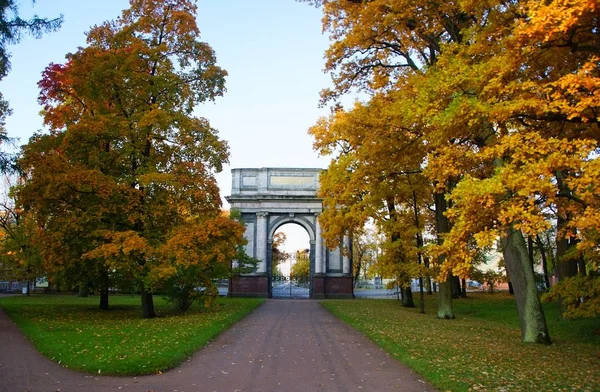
579	294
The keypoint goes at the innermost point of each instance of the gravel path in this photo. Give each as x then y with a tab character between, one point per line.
284	345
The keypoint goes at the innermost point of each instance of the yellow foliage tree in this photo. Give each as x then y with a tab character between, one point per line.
505	98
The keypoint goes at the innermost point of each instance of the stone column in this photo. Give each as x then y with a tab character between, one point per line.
319	265
261	241
346	259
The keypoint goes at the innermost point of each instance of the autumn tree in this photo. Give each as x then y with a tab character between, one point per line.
197	254
359	187
536	152
278	255
505	95
127	171
364	252
301	267
20	258
565	35
377	47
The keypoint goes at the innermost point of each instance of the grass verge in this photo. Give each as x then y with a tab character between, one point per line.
481	349
75	333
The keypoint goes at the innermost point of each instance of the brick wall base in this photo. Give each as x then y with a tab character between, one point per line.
250	286
332	287
322	287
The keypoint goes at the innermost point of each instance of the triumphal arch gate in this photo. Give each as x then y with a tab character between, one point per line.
268	198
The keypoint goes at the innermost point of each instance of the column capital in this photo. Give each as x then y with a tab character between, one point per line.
262	214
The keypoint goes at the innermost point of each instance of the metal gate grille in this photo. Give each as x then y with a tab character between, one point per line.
283	286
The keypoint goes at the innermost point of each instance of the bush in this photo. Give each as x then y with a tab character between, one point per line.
189	286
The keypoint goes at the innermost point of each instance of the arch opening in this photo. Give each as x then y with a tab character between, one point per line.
291	261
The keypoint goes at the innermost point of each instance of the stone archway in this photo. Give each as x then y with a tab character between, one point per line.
270	197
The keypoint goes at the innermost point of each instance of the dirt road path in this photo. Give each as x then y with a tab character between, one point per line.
282	346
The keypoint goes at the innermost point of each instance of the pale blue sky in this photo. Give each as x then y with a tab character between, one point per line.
272	49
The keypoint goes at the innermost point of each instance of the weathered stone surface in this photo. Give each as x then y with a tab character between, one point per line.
295	182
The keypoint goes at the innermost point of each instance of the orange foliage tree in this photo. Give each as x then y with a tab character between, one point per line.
125	181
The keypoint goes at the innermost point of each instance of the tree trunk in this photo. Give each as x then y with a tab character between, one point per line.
542	249
445	310
407	298
463	290
551	256
104	298
434	286
357	271
421	296
419	239
428	281
566	267
578	261
530	255
530	250
511	289
147	304
581	265
455	286
104	291
531	314
84	290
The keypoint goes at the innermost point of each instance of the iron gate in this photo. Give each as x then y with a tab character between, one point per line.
287	284
283	286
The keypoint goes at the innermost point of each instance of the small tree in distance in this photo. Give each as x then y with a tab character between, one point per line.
301	268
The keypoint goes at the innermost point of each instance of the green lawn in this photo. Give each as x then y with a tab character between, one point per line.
481	349
75	333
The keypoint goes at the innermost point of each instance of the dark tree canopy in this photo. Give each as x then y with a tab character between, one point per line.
13	27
